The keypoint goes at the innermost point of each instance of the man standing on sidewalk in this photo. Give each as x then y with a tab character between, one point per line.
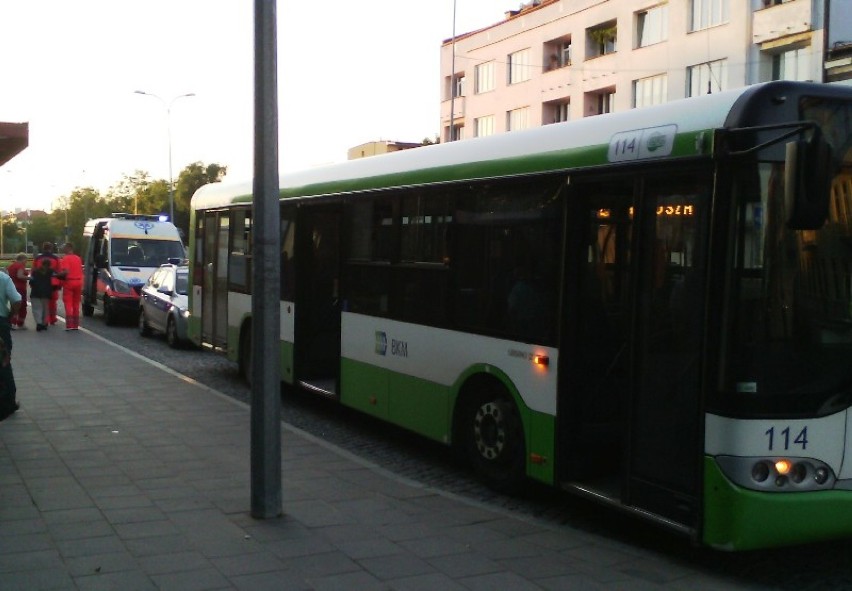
71	273
47	254
20	277
10	300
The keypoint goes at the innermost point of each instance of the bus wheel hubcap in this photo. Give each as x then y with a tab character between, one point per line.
489	430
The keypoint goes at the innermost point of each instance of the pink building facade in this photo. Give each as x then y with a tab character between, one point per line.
556	60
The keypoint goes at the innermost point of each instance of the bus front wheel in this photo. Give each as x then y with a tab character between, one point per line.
493	439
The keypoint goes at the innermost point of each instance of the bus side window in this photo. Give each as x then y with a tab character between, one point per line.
369	250
505	263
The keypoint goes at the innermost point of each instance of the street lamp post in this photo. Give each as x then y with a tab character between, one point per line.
168	107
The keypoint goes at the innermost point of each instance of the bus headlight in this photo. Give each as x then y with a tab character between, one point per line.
777	474
760	472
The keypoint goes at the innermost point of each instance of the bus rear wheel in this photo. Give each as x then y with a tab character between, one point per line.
493	440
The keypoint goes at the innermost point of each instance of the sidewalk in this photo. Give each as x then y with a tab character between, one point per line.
120	474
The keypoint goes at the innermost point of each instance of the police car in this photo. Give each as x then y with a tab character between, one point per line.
163	303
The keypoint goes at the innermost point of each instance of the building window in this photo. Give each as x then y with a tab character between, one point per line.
652	25
601	40
606	102
707	78
519	66
517	119
484	77
458	85
600	102
650	91
792	65
557	53
556	112
709	13
454	86
484	125
456	132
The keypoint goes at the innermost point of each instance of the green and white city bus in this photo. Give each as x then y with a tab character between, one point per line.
650	308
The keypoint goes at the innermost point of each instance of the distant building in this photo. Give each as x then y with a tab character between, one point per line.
379	147
27	215
555	60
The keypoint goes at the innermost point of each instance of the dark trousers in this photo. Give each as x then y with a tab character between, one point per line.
8	403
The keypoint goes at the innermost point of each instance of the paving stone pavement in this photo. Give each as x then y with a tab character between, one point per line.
118	473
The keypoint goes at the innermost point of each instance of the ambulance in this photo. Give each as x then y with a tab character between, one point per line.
119	254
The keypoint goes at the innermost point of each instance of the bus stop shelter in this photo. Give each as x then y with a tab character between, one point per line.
14	137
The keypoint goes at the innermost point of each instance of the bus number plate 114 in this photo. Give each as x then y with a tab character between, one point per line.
640	144
785	438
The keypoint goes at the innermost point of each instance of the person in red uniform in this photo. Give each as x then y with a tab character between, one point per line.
47	253
19	274
71	274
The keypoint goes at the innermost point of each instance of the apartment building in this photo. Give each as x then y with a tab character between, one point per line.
555	60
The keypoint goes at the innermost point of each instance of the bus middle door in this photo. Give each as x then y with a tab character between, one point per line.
317	321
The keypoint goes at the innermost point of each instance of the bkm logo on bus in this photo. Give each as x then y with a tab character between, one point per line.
398	348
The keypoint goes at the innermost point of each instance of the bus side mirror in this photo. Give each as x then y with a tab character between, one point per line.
807	182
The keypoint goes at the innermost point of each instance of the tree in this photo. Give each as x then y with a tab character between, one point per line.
134	193
13	235
40	230
80	206
137	193
192	178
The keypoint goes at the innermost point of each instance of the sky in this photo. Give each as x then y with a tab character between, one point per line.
348	73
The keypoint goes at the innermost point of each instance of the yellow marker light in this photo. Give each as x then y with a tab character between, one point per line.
783	467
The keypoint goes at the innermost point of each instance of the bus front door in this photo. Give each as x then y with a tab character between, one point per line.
317	318
630	419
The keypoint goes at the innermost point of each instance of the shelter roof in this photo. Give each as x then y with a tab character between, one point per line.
14	137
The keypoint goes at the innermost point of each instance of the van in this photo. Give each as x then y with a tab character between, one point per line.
119	254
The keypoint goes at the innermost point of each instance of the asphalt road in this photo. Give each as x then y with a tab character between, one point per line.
815	566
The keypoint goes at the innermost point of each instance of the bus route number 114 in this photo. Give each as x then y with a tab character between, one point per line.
785	438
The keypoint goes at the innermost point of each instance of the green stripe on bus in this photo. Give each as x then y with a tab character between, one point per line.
416	404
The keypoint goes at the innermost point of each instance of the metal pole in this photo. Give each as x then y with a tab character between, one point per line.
453	80
266	271
168	107
171	176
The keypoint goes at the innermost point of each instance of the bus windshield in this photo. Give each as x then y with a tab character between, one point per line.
789	341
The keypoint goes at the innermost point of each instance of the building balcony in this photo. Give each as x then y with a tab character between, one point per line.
838	63
782	20
458	106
